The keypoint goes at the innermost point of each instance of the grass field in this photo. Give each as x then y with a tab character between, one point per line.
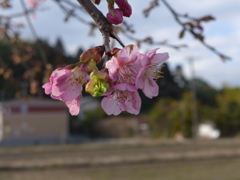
211	160
195	170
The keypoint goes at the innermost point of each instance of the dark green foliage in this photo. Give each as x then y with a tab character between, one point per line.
227	116
205	93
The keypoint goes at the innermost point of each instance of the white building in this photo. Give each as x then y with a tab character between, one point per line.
33	120
208	130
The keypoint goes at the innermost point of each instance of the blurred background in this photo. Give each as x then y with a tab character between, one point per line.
189	131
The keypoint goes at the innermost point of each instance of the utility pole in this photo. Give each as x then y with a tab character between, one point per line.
193	99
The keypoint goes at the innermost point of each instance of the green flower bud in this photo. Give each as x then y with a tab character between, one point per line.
98	84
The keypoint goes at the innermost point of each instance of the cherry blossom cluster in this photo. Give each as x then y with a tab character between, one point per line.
124	74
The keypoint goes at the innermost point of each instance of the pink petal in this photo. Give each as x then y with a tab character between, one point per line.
74	106
134	52
66	86
58	72
159	58
123	55
150	88
135	105
125	86
143	60
112	65
140	79
110	106
47	88
152	53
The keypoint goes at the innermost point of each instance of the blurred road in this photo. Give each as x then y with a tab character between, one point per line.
115	152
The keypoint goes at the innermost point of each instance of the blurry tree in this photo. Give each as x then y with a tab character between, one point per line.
227	116
59	46
205	93
166	118
171	116
18	74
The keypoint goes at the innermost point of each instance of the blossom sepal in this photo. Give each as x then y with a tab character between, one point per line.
92	54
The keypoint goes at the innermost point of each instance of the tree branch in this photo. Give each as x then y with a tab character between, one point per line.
42	53
104	26
176	17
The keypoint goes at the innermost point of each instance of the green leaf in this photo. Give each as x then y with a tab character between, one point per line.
181	34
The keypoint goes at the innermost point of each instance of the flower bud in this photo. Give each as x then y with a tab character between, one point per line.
96	1
115	16
98	83
110	2
92	54
125	7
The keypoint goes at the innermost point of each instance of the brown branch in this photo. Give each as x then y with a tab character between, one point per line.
67	11
184	25
17	14
149	40
153	4
34	33
104	26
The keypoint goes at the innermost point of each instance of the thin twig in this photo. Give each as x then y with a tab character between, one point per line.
67	11
72	4
18	14
34	33
151	42
104	26
176	17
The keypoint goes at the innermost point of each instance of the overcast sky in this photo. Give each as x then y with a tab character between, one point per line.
223	34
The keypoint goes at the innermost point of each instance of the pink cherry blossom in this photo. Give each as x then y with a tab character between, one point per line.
148	72
66	85
74	105
124	67
124	98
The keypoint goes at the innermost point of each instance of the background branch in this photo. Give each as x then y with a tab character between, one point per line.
104	26
185	27
42	53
